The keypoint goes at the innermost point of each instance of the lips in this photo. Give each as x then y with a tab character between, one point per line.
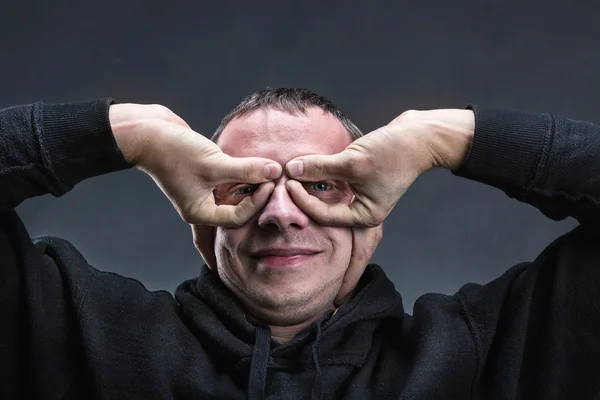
282	257
282	252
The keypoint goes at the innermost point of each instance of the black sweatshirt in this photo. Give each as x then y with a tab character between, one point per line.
70	331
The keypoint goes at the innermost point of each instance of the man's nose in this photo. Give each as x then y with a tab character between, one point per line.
281	212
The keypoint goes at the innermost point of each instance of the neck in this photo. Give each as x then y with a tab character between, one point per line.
284	333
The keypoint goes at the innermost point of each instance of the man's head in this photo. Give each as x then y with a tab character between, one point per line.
283	266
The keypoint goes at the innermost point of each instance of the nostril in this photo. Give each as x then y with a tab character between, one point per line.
282	219
297	225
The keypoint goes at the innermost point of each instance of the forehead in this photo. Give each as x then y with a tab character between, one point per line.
281	136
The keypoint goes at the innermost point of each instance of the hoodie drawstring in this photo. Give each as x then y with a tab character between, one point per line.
315	356
260	361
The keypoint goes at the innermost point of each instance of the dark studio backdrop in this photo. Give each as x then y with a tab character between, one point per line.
374	59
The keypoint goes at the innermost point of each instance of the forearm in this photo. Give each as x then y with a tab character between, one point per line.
550	162
49	148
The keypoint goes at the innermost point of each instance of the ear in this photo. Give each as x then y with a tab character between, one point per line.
204	240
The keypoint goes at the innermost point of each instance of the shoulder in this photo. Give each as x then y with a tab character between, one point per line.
93	287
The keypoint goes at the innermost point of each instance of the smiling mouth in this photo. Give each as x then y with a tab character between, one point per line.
283	258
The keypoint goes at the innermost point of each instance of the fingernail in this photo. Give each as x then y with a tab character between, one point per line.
272	171
295	168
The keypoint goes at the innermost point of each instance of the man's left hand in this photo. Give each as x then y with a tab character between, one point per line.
364	243
380	167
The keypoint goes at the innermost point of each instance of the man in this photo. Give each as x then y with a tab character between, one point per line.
286	209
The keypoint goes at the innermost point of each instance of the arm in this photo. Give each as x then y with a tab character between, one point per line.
49	148
547	161
550	162
540	318
44	148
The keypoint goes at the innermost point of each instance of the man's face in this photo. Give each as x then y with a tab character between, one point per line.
283	266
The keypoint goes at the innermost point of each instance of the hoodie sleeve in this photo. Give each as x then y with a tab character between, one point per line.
45	148
550	162
536	327
49	148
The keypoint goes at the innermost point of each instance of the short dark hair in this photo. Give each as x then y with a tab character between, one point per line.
290	100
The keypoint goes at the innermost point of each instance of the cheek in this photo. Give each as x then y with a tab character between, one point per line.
227	242
341	239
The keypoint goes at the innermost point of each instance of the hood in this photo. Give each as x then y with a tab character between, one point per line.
212	312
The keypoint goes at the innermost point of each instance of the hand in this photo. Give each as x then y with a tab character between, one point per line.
187	166
381	165
364	243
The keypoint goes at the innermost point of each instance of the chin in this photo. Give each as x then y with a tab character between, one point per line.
291	317
291	306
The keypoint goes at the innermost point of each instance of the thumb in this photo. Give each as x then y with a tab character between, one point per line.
246	170
318	167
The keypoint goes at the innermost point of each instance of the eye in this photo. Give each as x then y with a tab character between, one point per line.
321	186
245	190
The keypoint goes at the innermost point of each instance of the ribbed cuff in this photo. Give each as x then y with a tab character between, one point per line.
79	141
506	148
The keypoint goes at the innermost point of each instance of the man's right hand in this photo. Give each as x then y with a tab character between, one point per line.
187	166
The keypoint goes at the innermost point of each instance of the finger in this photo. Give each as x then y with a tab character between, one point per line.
204	240
246	170
248	207
233	216
176	119
364	243
321	212
407	115
204	235
355	214
318	167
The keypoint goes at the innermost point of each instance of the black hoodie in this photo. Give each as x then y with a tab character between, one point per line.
70	331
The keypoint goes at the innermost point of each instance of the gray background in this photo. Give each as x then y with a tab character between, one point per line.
374	59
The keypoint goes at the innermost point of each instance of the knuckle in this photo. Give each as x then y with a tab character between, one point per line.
360	165
166	111
408	114
240	217
378	216
162	112
316	168
251	173
186	217
374	218
190	217
318	216
188	214
379	234
371	223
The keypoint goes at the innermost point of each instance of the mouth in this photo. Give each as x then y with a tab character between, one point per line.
283	257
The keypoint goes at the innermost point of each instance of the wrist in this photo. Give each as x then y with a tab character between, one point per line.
132	123
452	133
128	138
133	138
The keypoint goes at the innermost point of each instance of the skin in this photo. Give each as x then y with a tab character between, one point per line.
380	167
290	291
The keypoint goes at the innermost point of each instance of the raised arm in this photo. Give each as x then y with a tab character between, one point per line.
49	148
550	162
